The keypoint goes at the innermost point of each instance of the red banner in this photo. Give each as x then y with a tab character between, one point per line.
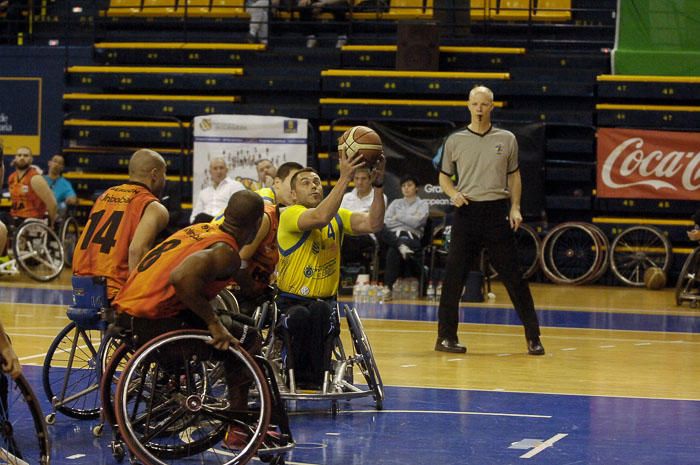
638	164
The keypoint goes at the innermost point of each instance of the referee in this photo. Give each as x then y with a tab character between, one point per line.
487	200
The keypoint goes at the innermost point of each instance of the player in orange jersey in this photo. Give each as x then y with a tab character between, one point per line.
30	195
123	223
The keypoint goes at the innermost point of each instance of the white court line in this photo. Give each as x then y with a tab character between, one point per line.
548	443
449	412
544	336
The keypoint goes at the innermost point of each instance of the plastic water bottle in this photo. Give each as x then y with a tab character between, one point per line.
372	296
438	290
364	293
385	292
398	289
356	293
413	289
430	292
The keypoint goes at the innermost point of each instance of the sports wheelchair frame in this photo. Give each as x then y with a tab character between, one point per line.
174	402
36	250
688	284
338	379
23	436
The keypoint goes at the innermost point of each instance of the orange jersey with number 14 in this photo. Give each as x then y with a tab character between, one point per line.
103	247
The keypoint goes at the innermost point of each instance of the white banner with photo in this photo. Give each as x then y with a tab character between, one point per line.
242	141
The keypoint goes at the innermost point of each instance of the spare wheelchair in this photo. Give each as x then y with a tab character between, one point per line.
339	376
36	250
688	284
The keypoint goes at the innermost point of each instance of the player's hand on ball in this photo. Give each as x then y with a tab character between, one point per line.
378	171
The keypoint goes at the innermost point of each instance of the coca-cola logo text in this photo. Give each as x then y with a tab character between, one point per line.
629	164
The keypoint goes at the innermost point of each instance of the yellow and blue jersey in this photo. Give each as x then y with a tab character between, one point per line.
268	194
309	263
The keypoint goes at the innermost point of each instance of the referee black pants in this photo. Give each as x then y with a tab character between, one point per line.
478	225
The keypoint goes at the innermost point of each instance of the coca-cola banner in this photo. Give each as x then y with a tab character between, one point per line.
633	163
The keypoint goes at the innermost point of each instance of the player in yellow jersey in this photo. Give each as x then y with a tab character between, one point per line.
310	236
259	258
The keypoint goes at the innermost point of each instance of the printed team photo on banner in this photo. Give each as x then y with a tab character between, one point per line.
242	141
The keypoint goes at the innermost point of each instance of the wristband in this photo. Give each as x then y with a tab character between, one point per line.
245	333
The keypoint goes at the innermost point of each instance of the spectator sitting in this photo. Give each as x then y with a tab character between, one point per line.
266	173
60	186
359	199
310	11
259	11
404	223
694	234
31	196
214	198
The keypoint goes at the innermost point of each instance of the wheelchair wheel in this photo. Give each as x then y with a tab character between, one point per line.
226	302
114	367
637	248
38	251
23	436
529	247
688	284
367	363
571	254
173	403
70	233
71	372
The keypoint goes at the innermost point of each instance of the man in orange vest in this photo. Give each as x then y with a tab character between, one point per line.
30	195
123	223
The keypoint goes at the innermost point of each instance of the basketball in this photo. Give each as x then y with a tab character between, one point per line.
654	278
363	140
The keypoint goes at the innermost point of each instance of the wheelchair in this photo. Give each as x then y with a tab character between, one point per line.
173	403
36	250
688	284
68	233
338	378
78	354
23	435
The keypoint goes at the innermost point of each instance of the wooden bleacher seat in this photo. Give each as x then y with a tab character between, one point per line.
94	132
195	7
183	106
642	87
520	10
648	116
405	82
371	108
400	10
153	8
124	8
228	9
157	78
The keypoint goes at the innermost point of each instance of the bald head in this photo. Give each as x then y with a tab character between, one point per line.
243	214
148	167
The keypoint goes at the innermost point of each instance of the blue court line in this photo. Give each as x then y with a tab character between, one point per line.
421	312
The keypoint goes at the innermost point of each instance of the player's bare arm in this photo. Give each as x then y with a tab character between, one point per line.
189	278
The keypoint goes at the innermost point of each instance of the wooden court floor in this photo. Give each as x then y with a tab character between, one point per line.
620	382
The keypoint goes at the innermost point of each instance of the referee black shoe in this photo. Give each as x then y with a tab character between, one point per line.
449	345
535	347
